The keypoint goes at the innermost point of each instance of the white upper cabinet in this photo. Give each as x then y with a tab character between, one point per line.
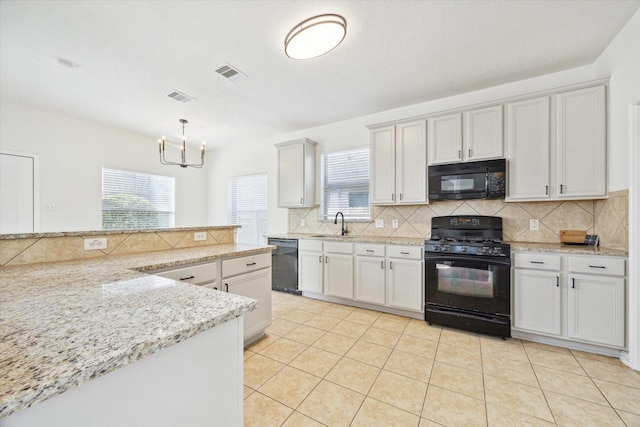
560	159
399	164
296	173
481	139
445	139
528	139
483	134
581	133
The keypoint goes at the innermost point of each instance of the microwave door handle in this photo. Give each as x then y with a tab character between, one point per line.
486	183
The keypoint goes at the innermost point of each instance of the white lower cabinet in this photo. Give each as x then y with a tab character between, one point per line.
572	297
537	301
250	276
405	278
370	274
310	264
338	269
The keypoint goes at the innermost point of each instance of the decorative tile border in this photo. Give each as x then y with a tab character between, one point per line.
29	249
608	218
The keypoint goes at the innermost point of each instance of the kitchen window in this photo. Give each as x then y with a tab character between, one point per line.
135	200
248	207
344	184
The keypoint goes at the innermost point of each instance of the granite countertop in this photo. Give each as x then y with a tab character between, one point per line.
108	232
568	249
64	323
383	240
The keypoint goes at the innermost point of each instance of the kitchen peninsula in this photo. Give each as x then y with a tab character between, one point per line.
99	341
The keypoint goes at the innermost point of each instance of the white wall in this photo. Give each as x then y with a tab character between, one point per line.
72	153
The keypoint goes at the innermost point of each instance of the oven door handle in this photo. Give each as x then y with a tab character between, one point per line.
453	259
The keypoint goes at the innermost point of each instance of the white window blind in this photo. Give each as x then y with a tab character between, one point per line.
344	184
247	201
134	200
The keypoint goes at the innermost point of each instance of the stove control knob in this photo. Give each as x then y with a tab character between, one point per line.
436	248
445	248
464	249
485	250
496	251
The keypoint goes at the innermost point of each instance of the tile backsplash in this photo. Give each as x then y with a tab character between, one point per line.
608	218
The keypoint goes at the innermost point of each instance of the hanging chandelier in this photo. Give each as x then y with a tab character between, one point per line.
183	152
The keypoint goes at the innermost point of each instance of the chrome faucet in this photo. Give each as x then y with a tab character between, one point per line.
342	229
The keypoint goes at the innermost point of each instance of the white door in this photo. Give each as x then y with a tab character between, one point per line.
338	275
483	134
596	309
291	176
370	279
411	162
16	194
256	285
405	284
310	271
528	140
445	139
536	301
383	160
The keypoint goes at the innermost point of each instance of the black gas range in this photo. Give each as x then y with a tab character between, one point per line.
467	274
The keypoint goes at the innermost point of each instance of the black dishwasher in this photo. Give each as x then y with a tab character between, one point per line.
284	265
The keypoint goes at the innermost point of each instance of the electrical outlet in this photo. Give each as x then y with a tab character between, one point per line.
94	244
303	222
199	236
534	225
379	223
394	223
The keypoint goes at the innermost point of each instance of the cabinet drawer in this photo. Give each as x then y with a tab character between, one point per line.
338	247
310	245
371	250
196	274
407	252
597	265
537	261
234	266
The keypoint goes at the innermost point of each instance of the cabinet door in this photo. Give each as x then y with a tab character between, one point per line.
310	271
411	162
528	141
536	301
256	285
338	275
445	139
383	160
581	143
405	284
483	134
291	175
596	309
370	279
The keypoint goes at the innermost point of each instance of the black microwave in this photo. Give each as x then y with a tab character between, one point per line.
472	180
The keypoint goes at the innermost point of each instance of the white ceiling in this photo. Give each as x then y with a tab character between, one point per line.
128	55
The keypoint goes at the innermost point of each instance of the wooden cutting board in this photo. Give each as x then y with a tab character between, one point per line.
572	236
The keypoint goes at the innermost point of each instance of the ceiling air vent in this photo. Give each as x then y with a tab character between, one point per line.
182	97
230	73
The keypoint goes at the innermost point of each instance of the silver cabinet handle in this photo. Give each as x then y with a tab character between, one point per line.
573	283
187	278
597	266
301	201
404	253
560	188
250	264
536	262
382	265
390	265
370	250
326	259
469	152
459	154
320	259
226	285
400	196
557	281
393	197
546	189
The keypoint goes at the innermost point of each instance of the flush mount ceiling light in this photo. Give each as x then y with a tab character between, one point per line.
315	36
183	151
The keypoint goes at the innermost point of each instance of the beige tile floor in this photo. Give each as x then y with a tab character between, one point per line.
334	365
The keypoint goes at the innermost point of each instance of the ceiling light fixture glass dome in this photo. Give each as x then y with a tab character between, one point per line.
315	36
